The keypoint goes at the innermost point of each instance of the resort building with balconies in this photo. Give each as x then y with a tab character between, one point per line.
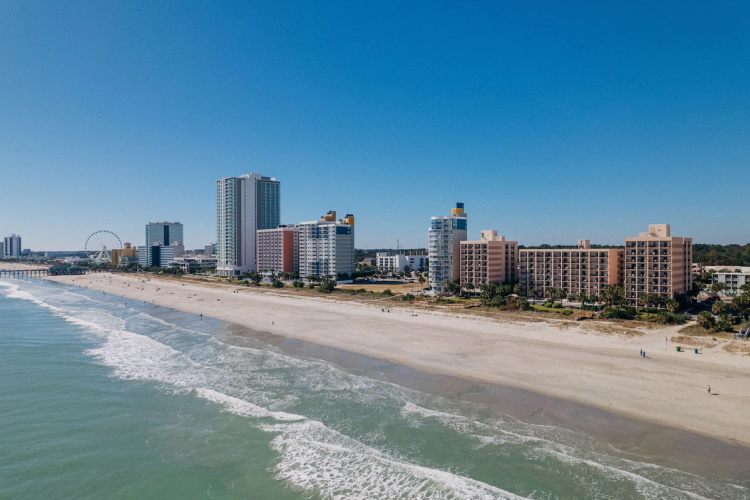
657	263
277	250
491	259
580	270
446	235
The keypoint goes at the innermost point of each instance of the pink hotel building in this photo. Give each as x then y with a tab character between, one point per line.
277	249
654	262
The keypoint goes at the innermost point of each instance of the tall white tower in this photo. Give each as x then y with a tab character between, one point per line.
244	204
446	235
12	246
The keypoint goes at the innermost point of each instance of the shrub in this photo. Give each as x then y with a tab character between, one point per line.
566	312
407	297
387	292
668	318
277	284
620	313
298	284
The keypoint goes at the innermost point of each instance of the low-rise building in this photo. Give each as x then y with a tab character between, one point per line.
391	262
732	281
125	255
396	262
194	264
491	259
580	270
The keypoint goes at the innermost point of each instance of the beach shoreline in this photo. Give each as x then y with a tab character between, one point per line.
599	371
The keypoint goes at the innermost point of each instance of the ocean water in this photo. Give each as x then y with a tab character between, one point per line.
106	397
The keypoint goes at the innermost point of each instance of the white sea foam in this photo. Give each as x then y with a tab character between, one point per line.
259	383
244	408
14	291
317	458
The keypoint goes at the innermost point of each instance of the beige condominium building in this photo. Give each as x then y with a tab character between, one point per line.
583	269
492	259
657	262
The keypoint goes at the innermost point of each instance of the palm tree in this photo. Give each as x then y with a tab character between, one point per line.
672	305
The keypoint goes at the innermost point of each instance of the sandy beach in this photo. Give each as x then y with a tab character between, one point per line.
603	371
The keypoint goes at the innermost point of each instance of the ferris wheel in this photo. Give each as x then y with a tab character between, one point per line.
99	246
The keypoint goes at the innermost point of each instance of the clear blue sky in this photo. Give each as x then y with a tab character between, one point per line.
552	121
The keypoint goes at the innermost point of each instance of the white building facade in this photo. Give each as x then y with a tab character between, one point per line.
326	248
732	281
388	262
244	204
12	247
156	255
446	234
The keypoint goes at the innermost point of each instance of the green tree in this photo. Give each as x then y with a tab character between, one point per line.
718	287
255	277
672	305
453	287
533	293
741	301
724	323
277	283
613	295
706	320
719	307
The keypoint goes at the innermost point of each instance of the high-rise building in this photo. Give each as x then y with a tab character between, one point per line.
244	205
12	246
492	259
657	263
581	270
326	247
446	234
2	249
163	233
278	250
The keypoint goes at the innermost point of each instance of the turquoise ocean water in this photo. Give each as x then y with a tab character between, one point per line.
105	397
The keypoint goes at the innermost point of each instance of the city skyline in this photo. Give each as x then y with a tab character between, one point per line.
552	123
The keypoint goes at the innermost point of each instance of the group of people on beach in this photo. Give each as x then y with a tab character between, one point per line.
643	353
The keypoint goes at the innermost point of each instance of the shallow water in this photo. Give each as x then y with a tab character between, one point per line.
103	396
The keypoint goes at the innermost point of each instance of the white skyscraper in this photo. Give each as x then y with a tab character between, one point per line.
244	204
12	246
446	234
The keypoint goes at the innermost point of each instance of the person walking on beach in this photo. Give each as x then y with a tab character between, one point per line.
709	389
641	353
